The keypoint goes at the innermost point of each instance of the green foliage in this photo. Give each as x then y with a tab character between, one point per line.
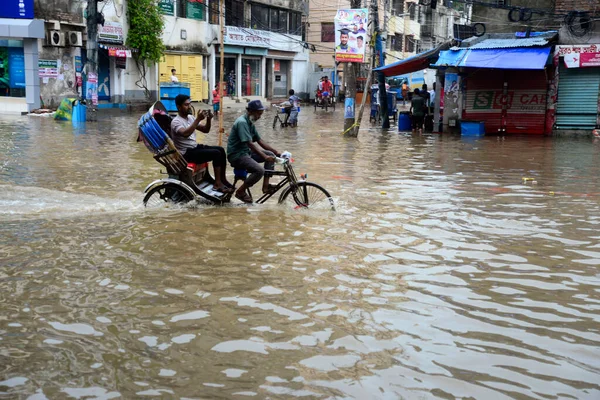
145	29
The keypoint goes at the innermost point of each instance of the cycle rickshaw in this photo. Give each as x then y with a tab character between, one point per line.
192	183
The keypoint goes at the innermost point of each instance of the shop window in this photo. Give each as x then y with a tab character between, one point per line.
397	7
260	17
295	23
410	43
397	42
234	13
274	19
327	32
251	77
213	12
12	68
283	21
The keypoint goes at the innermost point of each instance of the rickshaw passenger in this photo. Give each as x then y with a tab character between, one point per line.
246	150
183	131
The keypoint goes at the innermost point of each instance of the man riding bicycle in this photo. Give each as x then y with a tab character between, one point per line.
246	150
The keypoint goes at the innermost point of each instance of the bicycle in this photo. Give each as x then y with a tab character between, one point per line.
297	193
324	102
279	114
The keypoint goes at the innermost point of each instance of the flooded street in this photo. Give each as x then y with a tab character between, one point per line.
442	274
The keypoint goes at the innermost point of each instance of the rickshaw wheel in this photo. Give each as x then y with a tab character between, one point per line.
308	195
167	194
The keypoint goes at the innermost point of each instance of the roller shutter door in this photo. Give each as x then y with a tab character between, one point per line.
577	101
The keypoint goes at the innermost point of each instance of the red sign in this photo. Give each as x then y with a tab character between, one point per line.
589	59
579	56
496	100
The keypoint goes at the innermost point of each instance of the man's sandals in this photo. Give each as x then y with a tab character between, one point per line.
245	197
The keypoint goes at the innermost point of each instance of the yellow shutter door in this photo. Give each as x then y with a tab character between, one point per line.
169	62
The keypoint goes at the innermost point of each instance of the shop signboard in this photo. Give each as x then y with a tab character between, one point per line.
247	37
20	9
497	100
351	34
111	32
166	7
580	56
195	9
48	68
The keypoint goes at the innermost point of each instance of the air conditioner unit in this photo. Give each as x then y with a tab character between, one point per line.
75	38
55	38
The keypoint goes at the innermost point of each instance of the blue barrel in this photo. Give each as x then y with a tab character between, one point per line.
404	124
79	112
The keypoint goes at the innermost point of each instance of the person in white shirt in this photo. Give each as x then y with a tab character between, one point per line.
174	78
432	98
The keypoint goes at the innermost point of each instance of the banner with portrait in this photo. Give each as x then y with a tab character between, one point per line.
351	34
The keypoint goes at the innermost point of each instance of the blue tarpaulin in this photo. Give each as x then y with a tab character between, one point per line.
509	58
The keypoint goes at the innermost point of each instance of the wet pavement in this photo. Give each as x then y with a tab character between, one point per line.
442	274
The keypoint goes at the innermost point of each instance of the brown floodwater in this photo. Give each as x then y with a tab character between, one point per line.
442	273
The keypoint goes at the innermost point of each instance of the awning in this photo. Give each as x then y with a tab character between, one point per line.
22	28
509	58
414	63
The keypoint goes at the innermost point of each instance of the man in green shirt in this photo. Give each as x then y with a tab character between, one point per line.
246	150
418	109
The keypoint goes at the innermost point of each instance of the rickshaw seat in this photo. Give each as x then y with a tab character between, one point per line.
197	167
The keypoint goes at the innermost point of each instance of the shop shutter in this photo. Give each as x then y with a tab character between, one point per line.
483	99
527	101
577	101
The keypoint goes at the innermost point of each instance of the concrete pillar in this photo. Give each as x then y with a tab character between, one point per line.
212	75
238	76
32	79
439	87
263	74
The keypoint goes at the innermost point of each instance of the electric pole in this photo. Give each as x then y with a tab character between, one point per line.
92	39
349	128
221	68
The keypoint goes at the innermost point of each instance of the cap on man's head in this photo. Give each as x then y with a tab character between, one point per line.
255	105
344	31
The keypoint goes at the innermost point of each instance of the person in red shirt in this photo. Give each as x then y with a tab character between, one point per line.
216	99
327	89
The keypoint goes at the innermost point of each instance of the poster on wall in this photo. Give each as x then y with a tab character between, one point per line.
48	68
349	108
16	67
92	88
78	64
166	7
351	34
21	9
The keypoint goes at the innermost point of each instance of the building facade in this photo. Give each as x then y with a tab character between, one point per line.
264	54
19	35
573	76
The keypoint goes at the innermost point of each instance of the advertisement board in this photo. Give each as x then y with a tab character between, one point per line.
21	9
351	34
580	56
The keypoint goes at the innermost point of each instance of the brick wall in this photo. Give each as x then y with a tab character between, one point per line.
564	6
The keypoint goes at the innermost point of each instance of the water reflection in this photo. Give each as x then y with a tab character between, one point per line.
443	274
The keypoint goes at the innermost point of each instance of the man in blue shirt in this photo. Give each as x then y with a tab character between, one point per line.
246	150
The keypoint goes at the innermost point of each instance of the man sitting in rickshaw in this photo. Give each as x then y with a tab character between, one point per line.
327	89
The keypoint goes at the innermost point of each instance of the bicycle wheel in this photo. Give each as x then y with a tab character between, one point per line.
275	121
308	195
167	194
